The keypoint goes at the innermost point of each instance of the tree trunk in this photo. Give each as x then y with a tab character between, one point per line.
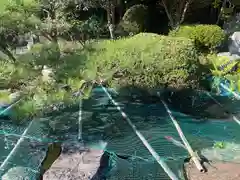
120	9
172	24
220	13
184	12
110	22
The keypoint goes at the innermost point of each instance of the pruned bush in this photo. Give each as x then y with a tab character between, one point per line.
204	36
134	20
148	61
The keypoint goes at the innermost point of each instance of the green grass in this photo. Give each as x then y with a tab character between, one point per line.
3	4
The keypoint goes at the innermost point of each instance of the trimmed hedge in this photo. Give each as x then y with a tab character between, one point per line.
205	36
134	20
147	60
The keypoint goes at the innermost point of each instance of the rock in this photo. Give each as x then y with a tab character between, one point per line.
47	74
10	97
19	173
14	96
75	162
234	45
215	170
224	54
229	55
4	98
213	110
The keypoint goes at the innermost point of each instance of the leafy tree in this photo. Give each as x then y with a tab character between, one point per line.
16	20
84	30
54	22
109	6
226	9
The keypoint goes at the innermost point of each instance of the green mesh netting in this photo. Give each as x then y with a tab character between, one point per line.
102	121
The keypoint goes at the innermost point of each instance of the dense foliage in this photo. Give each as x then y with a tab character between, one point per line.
147	60
38	95
222	67
72	40
205	36
134	20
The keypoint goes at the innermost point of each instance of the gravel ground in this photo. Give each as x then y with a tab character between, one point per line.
217	170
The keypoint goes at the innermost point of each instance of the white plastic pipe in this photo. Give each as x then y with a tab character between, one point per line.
216	101
193	155
144	141
2	167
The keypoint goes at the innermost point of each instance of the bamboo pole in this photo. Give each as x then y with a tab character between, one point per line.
217	102
193	154
9	107
17	135
237	96
15	147
80	120
142	138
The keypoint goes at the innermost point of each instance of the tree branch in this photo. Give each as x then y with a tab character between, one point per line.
168	14
220	13
184	12
6	51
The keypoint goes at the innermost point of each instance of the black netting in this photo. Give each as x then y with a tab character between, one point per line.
102	122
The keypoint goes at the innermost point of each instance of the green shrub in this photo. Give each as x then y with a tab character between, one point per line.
204	36
15	75
134	20
43	54
230	71
222	65
84	30
147	60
